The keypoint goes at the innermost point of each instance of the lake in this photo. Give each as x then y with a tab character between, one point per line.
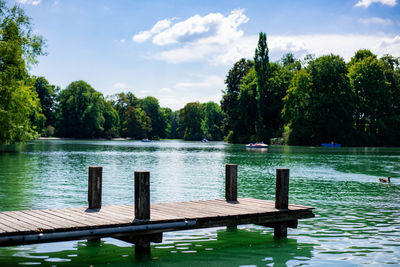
357	218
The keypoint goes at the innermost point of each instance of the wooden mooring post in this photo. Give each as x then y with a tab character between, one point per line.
95	187
231	182
281	200
142	212
142	195
94	193
231	188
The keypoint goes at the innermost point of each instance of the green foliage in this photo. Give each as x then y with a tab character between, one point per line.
137	124
319	105
111	121
47	96
190	120
373	103
212	123
361	55
229	102
391	66
289	62
255	112
20	112
173	124
141	118
83	111
120	103
245	123
297	107
159	121
261	66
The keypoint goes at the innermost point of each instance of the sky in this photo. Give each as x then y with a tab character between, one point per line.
180	51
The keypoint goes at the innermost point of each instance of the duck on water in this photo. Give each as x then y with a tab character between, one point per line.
384	180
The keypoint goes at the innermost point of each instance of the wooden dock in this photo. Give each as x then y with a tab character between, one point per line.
141	223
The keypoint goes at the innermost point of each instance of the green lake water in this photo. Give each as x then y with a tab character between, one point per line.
357	218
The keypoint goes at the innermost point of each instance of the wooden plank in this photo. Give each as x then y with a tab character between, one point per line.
65	222
5	228
17	225
261	202
164	214
231	209
93	217
155	213
265	201
267	205
201	209
60	214
160	215
212	209
207	213
111	211
29	220
193	209
255	206
129	210
77	217
42	218
173	211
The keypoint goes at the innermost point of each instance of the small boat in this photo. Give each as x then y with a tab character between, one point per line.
204	140
146	140
331	145
257	145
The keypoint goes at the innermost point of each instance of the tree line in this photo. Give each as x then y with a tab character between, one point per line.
315	100
31	107
292	101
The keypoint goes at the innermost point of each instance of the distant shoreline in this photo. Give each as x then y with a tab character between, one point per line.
94	139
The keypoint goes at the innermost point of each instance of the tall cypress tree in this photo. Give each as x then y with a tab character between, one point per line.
261	65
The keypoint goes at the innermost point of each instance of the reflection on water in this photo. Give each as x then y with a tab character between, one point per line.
357	218
214	247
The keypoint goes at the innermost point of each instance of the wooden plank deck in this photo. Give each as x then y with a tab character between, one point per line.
34	226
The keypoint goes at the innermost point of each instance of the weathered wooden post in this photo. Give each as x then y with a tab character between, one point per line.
231	182
281	200
95	186
231	188
142	211
142	195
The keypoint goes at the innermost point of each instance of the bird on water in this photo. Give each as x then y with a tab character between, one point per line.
384	180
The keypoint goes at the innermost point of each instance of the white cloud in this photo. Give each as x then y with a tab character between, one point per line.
218	40
122	41
202	82
158	27
176	102
202	88
367	3
29	2
119	85
333	43
191	52
144	93
391	45
141	36
375	20
212	28
165	90
300	45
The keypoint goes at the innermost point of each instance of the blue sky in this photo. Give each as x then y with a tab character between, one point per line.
180	51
